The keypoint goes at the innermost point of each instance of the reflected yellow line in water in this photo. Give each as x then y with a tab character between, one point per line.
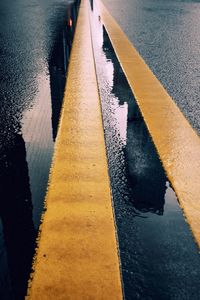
178	145
77	255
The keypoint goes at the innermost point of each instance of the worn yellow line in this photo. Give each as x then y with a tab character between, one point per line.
77	255
177	143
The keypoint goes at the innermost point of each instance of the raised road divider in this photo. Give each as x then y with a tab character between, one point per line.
77	255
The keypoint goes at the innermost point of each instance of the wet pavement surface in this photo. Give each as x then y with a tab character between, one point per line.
158	254
166	34
159	257
35	42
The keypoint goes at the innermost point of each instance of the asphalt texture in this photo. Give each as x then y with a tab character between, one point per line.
159	257
35	41
166	34
158	254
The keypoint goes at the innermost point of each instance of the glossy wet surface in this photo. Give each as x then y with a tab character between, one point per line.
35	40
166	34
159	257
77	246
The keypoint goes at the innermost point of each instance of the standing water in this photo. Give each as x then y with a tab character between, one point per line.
35	42
159	258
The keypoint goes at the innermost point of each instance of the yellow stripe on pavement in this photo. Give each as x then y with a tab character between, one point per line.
177	143
77	255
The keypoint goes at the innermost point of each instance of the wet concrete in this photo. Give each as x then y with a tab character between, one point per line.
159	257
35	41
166	34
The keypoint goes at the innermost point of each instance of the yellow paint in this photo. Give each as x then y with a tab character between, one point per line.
77	255
177	143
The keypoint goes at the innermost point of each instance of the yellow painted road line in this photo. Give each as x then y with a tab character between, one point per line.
177	143
77	255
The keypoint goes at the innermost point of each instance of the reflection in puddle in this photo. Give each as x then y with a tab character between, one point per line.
37	134
16	216
58	64
158	255
24	167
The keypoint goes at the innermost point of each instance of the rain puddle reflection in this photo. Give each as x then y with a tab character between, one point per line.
26	154
159	257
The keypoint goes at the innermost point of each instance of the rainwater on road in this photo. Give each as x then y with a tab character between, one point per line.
166	34
159	257
35	42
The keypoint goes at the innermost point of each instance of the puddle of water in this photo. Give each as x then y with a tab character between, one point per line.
25	160
159	257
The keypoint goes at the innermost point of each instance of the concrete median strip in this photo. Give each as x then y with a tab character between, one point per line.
77	256
178	145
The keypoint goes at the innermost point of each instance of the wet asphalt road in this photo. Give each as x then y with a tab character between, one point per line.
35	41
159	258
32	79
166	34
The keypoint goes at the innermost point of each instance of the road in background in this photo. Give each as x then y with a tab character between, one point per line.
166	34
35	41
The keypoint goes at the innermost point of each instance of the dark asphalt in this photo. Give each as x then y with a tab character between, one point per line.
159	258
34	35
166	34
